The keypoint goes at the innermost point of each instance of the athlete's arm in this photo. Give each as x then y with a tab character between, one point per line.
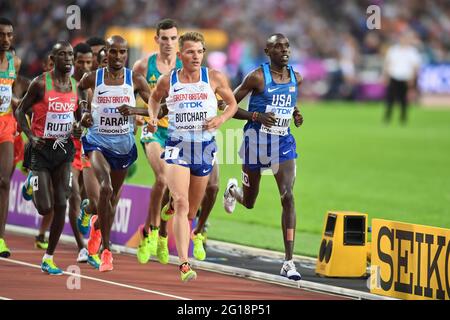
222	88
15	100
298	118
33	95
160	92
254	81
87	82
140	67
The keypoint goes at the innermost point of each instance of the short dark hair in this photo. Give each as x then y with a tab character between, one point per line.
81	48
96	41
6	22
166	24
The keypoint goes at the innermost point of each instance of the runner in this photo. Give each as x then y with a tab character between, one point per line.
96	45
53	99
109	142
274	89
9	68
190	149
154	239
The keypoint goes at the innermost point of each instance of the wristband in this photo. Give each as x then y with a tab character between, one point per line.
255	116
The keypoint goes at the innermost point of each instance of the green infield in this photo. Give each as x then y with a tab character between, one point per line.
348	160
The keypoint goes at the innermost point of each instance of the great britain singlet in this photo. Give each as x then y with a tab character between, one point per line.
110	129
190	105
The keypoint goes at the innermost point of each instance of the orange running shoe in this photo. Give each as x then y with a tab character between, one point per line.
95	238
107	260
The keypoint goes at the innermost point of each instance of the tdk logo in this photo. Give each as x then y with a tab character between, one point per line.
281	110
191	105
110	110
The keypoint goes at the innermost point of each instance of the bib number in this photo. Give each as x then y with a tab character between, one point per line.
283	117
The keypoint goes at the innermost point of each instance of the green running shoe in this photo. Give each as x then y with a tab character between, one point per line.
153	244
49	267
94	261
40	242
163	250
199	250
167	211
143	251
4	250
187	273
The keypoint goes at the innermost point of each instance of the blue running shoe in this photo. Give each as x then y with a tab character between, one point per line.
49	267
84	219
94	261
27	188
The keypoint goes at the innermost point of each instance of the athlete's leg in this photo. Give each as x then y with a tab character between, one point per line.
285	178
6	166
61	191
102	171
178	178
92	189
209	199
74	207
250	187
117	179
158	165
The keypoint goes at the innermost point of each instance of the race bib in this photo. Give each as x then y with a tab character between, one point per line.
5	97
283	117
58	125
191	121
171	153
145	134
112	122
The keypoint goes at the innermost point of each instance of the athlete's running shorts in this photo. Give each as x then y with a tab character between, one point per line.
8	128
115	160
160	136
18	149
52	155
199	157
259	154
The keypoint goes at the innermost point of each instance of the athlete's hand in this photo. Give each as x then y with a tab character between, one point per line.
214	123
77	130
86	120
152	125
268	119
298	118
126	110
37	142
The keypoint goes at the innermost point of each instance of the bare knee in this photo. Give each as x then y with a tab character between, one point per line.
106	190
287	199
44	209
4	182
181	204
160	183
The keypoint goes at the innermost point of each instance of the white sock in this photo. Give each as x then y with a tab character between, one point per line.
47	256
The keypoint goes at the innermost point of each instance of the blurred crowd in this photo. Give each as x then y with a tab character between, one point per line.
330	41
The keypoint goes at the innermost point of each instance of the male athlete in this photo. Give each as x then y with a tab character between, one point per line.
53	99
109	142
190	94
9	68
268	142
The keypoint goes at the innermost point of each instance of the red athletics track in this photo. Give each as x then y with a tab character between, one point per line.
21	278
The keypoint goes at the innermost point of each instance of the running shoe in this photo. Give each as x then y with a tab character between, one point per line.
84	218
83	255
229	202
290	271
49	267
163	250
40	242
143	251
199	250
153	241
27	187
95	238
106	263
167	211
187	273
94	261
4	250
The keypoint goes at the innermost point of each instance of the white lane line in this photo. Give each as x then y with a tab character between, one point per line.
97	279
4	298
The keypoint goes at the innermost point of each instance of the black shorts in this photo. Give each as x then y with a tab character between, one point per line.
27	156
50	157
